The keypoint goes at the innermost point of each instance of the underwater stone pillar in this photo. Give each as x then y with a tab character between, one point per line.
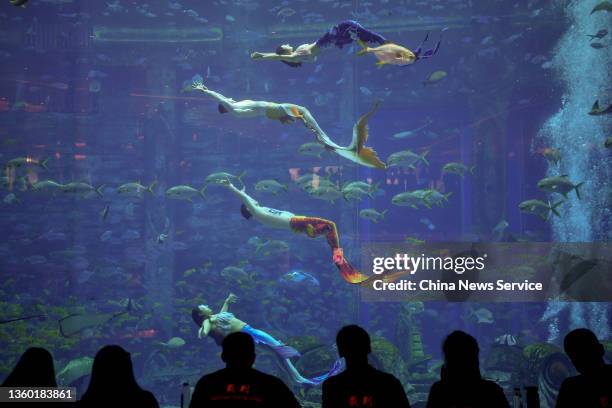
348	104
160	143
488	147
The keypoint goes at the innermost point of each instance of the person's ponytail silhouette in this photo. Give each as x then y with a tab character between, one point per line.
361	385
461	385
593	386
238	385
112	382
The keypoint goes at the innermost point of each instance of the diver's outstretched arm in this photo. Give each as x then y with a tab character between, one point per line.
247	200
231	298
272	56
227	102
269	217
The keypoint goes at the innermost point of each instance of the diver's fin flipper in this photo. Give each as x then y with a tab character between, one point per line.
360	130
358	152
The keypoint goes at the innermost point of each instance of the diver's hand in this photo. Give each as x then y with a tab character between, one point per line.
231	298
199	86
257	55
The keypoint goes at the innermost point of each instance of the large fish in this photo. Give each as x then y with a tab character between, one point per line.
75	369
78	322
389	54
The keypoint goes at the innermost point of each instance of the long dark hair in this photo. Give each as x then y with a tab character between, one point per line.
281	50
197	316
112	375
34	369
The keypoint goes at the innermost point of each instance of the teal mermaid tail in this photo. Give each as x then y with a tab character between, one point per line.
284	353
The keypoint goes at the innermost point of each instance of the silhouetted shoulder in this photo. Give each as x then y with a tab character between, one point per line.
149	400
586	392
368	388
142	399
483	394
495	393
242	388
368	375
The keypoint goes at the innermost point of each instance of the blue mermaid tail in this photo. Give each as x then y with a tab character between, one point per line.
418	53
346	33
336	368
284	353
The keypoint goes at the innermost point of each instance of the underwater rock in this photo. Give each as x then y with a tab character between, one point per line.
309	404
408	334
607	349
316	361
537	352
303	343
550	374
505	364
387	357
312	397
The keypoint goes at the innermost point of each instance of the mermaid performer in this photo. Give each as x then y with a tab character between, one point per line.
339	35
311	226
223	323
288	113
343	34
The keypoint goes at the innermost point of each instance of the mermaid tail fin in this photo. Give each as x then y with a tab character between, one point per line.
336	368
284	351
418	51
350	273
357	150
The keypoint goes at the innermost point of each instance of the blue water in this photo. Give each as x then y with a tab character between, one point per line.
96	87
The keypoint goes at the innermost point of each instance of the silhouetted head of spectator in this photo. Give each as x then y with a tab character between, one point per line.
111	374
585	351
34	369
238	350
461	357
353	344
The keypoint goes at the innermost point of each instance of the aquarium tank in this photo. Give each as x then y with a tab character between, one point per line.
413	167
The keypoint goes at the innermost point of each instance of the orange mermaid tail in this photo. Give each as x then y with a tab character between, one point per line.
314	227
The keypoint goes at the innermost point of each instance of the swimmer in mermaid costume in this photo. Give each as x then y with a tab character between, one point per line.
288	113
311	226
219	325
339	35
